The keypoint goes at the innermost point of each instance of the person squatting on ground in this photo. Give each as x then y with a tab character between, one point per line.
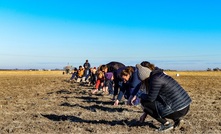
165	98
114	67
93	76
108	83
109	67
74	75
80	74
99	82
130	83
108	80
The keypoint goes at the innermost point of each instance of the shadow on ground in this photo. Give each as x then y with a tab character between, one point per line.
131	123
94	108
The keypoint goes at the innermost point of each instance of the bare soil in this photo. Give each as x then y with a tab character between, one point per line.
47	103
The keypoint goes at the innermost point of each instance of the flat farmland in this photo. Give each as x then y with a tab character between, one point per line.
44	102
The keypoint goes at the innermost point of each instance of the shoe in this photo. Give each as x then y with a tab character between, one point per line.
178	123
165	127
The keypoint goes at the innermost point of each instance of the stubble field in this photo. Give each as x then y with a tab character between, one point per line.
44	102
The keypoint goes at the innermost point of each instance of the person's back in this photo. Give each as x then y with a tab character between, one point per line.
171	93
114	65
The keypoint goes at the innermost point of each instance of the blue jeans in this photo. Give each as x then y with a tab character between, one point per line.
109	84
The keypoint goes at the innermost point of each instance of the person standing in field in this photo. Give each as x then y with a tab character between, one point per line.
87	67
164	97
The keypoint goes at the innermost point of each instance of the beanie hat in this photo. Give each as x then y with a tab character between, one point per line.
143	72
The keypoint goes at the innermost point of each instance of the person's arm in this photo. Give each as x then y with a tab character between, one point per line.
89	65
119	97
136	89
121	94
155	86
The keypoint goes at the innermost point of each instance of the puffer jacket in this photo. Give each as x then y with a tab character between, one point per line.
166	93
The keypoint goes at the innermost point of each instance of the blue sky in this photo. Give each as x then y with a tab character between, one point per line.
184	35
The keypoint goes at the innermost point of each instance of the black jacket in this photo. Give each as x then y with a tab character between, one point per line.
166	93
113	66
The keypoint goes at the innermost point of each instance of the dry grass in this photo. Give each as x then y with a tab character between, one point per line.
44	102
194	73
31	72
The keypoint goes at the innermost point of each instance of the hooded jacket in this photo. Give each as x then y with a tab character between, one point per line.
166	93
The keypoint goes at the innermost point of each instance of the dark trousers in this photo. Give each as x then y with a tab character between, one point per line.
93	79
116	87
150	108
73	75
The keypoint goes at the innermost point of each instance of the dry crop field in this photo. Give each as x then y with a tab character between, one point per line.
44	102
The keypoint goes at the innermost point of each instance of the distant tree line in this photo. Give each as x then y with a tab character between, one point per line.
214	69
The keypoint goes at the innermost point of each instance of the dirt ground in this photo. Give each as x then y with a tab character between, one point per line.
34	102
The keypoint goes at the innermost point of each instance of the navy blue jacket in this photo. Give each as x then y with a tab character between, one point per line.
166	93
129	87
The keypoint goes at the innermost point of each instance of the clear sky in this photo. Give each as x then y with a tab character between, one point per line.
49	34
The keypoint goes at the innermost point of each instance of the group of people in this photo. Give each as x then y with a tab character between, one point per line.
159	95
84	73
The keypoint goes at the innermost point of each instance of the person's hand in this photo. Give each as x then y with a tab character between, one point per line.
143	117
133	99
129	100
116	103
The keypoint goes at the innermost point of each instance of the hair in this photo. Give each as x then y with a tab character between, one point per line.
146	83
100	74
148	65
103	67
127	71
75	69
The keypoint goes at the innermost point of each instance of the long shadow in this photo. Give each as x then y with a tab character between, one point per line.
90	99
87	98
62	91
103	102
94	108
132	123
